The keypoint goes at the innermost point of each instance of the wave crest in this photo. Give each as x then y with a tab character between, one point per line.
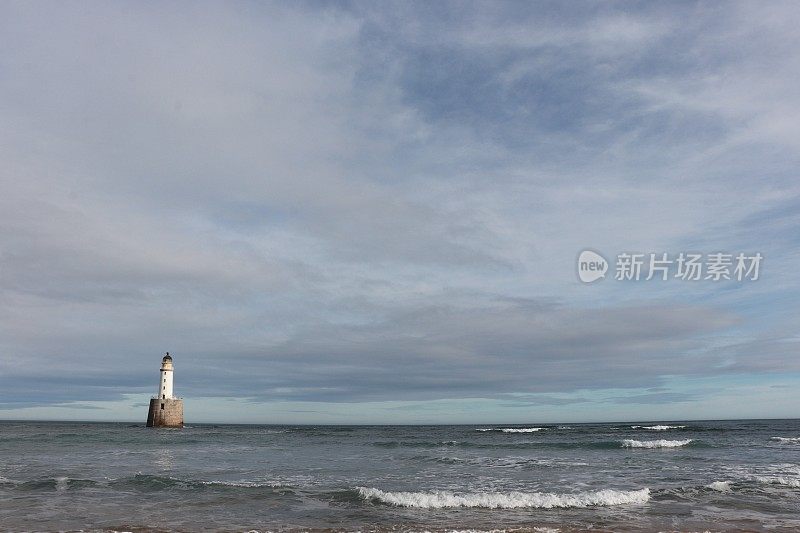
661	443
512	430
793	440
779	480
720	486
658	427
504	500
246	484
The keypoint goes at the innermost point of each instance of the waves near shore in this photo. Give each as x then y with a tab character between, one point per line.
661	443
504	500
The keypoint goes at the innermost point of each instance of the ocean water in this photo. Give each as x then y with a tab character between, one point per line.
675	476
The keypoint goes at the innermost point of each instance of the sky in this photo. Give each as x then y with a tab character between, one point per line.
336	212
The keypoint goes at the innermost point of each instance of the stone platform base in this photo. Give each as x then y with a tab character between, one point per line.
165	413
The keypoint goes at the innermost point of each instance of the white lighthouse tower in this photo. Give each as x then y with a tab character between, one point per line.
165	409
165	383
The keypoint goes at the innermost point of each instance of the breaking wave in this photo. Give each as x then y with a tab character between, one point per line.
149	482
512	430
417	444
246	484
720	486
60	484
793	440
779	480
508	444
661	443
509	462
504	500
658	427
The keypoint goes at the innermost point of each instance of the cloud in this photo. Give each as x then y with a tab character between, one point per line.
488	350
357	202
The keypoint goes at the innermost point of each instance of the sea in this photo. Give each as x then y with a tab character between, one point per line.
647	476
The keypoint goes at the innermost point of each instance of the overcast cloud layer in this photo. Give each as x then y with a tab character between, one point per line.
355	203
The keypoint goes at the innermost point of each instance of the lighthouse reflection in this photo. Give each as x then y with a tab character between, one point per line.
164	459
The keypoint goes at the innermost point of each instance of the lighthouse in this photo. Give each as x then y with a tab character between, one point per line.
165	383
165	410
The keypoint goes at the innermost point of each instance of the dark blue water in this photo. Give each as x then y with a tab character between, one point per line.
717	476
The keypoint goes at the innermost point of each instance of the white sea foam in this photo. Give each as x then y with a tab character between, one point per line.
505	500
721	486
782	474
661	443
779	480
251	484
537	529
793	440
512	430
658	427
61	483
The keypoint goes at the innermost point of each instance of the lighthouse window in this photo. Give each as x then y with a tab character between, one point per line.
162	406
